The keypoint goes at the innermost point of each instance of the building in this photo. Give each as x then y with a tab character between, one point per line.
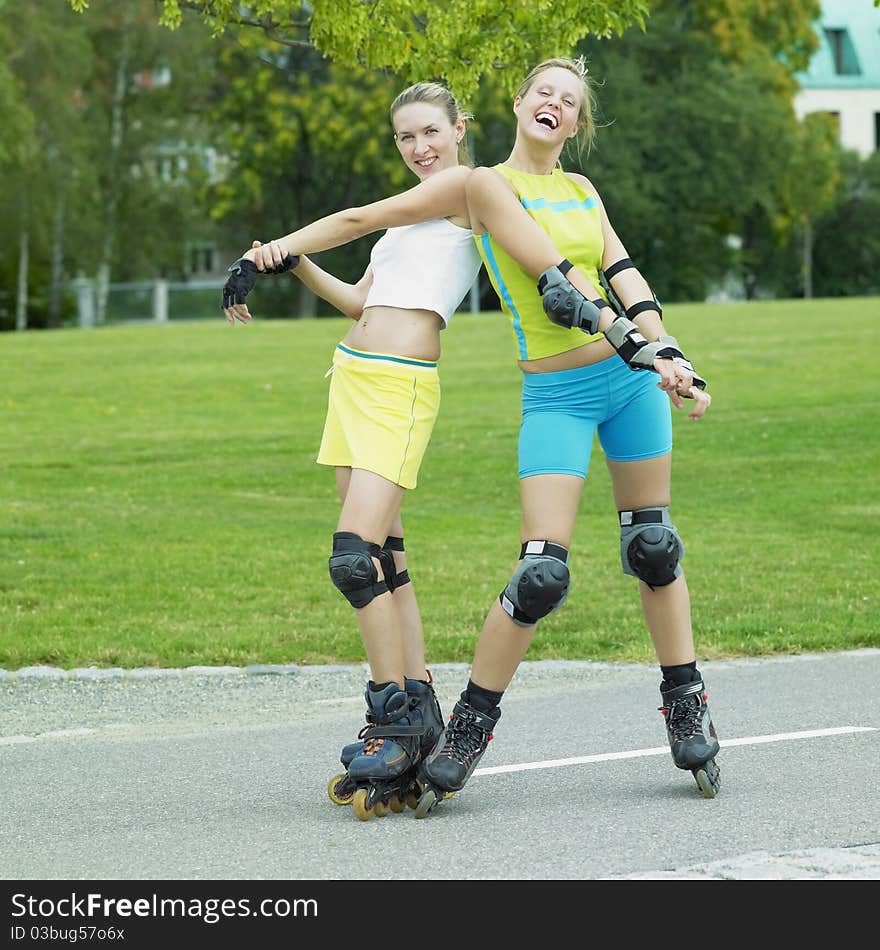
843	77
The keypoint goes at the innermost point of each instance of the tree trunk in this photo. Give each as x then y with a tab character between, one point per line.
808	258
307	305
117	128
21	298
56	280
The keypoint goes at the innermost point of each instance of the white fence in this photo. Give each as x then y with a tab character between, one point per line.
159	301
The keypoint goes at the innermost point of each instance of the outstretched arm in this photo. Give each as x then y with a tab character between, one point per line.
441	196
347	298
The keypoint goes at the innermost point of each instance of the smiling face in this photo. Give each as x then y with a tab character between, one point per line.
549	108
426	139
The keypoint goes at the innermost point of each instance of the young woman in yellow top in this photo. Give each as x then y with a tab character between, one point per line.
575	385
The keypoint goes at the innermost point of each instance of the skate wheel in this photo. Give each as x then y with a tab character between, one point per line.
426	802
414	793
708	778
396	804
381	809
338	792
359	805
412	800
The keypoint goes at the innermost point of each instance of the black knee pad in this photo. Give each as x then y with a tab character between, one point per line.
539	585
352	570
650	546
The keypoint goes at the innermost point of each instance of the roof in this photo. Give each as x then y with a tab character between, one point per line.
848	58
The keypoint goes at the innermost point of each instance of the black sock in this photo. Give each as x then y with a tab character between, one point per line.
680	675
483	699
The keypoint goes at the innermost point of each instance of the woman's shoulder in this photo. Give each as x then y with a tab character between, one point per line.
582	181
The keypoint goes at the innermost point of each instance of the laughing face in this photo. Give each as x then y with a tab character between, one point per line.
426	139
549	110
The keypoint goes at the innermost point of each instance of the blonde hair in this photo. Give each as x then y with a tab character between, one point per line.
587	114
436	94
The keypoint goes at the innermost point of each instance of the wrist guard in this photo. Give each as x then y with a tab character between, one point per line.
638	353
244	275
635	350
564	304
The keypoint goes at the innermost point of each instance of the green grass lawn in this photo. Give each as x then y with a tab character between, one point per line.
161	505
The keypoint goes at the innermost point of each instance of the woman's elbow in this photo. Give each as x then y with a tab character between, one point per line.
355	222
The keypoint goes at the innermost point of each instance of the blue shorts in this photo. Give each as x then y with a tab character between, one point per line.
562	411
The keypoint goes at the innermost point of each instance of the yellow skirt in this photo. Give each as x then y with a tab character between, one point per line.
380	414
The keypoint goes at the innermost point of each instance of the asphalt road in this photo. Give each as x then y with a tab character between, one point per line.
221	775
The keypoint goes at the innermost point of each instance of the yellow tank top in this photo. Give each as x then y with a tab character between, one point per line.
569	213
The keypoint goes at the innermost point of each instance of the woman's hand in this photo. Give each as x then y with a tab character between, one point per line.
678	382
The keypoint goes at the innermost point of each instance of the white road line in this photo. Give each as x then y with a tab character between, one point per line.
55	734
664	750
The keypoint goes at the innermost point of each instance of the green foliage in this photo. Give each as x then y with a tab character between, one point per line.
162	504
304	137
741	29
847	238
459	41
689	145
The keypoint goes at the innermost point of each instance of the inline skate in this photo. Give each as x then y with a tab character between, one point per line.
691	734
341	787
461	747
402	727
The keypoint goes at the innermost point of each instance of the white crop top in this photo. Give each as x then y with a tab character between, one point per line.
426	266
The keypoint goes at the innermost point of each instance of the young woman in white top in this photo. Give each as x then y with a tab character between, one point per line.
383	401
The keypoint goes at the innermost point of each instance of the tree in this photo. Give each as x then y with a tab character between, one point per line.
846	247
458	41
45	166
690	143
302	137
812	183
782	30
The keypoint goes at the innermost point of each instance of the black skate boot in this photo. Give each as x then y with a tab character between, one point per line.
691	734
383	771
341	787
464	741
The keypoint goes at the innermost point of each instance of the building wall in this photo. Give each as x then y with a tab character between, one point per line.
844	73
858	112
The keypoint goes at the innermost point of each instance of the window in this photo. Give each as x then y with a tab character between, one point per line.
202	259
843	53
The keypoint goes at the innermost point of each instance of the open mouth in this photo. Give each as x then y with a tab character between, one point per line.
547	119
426	162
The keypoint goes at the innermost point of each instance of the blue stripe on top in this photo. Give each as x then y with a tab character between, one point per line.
361	354
538	204
505	295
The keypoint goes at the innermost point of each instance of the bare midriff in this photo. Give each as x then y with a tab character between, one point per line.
397	332
585	355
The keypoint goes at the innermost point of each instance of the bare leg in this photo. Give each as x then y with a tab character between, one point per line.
371	505
667	610
409	617
549	508
406	607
